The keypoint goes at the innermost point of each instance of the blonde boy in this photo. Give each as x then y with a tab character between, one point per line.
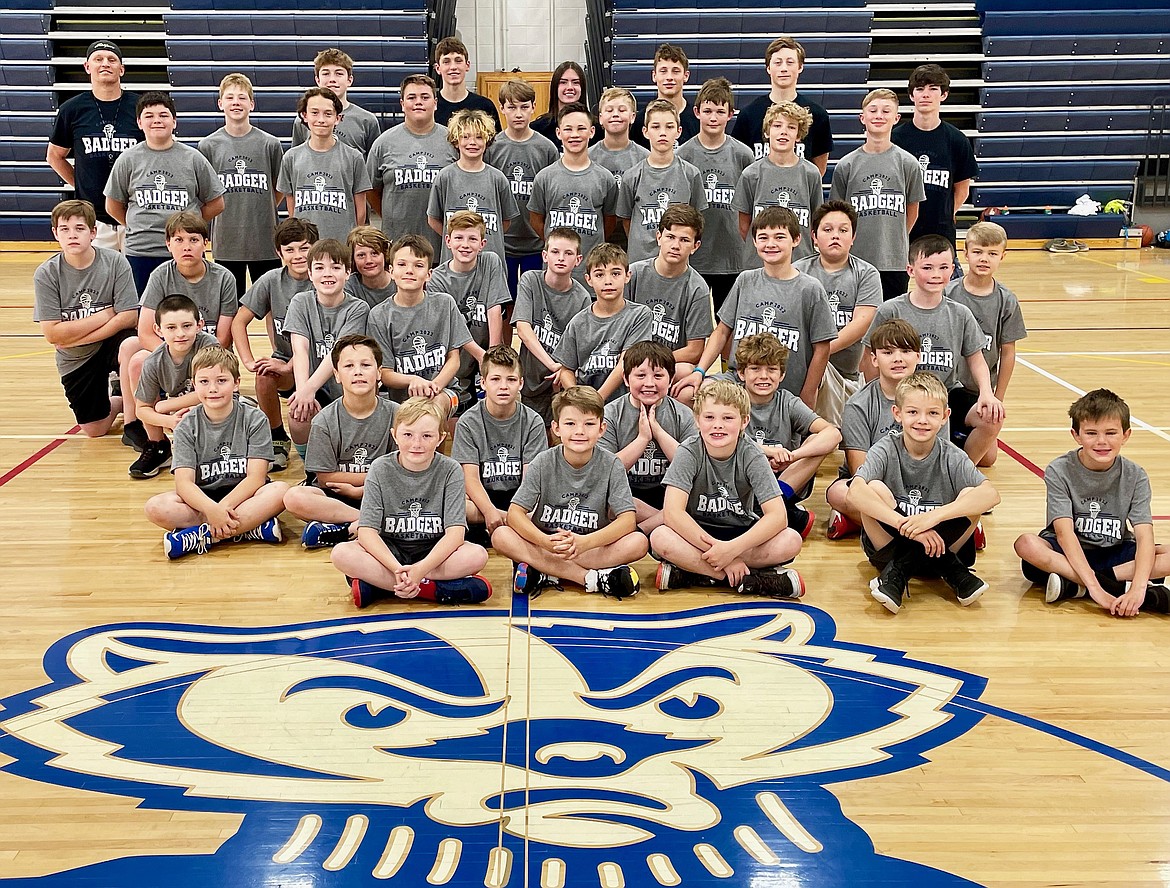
573	516
616	110
411	531
356	127
470	184
370	258
221	455
725	516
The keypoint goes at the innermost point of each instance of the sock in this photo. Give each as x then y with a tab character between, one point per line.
591	581
302	449
279	434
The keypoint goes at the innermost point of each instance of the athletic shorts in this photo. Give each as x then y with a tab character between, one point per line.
960	400
651	496
835	390
87	388
541	403
949	530
408	552
722	531
340	497
501	499
1099	557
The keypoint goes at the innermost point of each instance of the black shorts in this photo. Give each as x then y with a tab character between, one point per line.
949	530
960	400
340	497
651	496
408	552
720	285
501	499
322	397
87	388
722	531
541	403
1100	558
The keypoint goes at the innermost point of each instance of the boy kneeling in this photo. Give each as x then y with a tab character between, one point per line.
725	515
920	498
573	516
413	521
222	450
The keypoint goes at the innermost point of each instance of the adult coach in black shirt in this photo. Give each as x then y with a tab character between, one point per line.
94	128
784	60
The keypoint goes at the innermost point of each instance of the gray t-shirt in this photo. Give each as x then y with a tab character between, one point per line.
415	339
795	311
413	507
358	128
868	417
920	485
273	294
339	442
373	297
475	292
1104	506
857	284
500	447
219	451
593	346
576	199
617	162
647	192
560	497
520	162
248	167
765	184
403	166
880	187
681	305
621	427
323	326
214	293
999	317
549	313
486	192
64	293
723	492
722	249
156	184
163	377
323	185
949	333
785	421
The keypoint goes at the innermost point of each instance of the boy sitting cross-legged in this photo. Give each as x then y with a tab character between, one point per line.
725	516
222	451
496	440
346	437
793	438
411	532
920	498
646	428
1100	535
573	516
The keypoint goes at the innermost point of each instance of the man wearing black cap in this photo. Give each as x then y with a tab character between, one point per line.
94	128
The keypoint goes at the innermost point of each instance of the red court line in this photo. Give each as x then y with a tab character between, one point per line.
1021	459
36	457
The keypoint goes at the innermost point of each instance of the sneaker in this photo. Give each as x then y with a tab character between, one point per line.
268	532
620	582
280	450
319	535
966	586
1081	246
889	587
134	435
782	583
115	384
841	525
187	541
365	594
1157	599
469	590
671	576
979	537
801	520
527	580
155	456
1059	589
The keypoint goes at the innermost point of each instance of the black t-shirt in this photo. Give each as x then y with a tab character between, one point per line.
95	134
688	123
749	128
445	110
946	157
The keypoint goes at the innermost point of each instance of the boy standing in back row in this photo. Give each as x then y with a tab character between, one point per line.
356	127
452	64
670	74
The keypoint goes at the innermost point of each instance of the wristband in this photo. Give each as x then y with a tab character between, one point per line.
702	373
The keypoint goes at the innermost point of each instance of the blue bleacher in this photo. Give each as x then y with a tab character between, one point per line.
15	100
747	74
1029	6
743	48
760	23
1044	194
312	26
13	23
210	74
1048	71
29	202
1105	96
1060	45
380	52
39	175
26	126
624	5
24	50
1077	122
1128	145
288	5
17	152
26	75
1078	24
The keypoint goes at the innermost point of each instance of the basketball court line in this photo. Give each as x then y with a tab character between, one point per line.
37	457
1153	278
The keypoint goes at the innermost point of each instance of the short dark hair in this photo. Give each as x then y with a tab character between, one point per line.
639	353
929	75
293	230
356	340
895	333
683	215
574	108
177	302
500	356
833	206
332	249
930	245
1096	405
155	97
776	217
417	244
323	92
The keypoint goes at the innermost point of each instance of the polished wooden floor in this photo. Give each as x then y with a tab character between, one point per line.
1065	780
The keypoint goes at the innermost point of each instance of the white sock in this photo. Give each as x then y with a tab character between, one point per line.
591	577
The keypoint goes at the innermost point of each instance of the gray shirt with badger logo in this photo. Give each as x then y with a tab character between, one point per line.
856	285
766	184
920	485
323	326
219	451
413	507
576	199
723	492
164	377
323	185
592	346
721	250
402	167
474	292
647	192
948	333
549	313
415	339
621	427
273	294
560	497
500	447
340	442
520	162
681	305
1104	506
248	167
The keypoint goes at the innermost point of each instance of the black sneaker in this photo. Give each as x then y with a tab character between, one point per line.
800	519
966	586
783	583
1157	599
134	435
1059	589
671	576
527	580
619	582
155	456
889	587
469	590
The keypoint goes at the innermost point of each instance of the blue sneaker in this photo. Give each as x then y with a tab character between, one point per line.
320	535
187	540
366	593
268	532
527	580
469	590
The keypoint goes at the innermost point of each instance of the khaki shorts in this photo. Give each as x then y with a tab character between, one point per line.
835	390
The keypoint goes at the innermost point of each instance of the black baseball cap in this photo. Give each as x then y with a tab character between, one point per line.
108	45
